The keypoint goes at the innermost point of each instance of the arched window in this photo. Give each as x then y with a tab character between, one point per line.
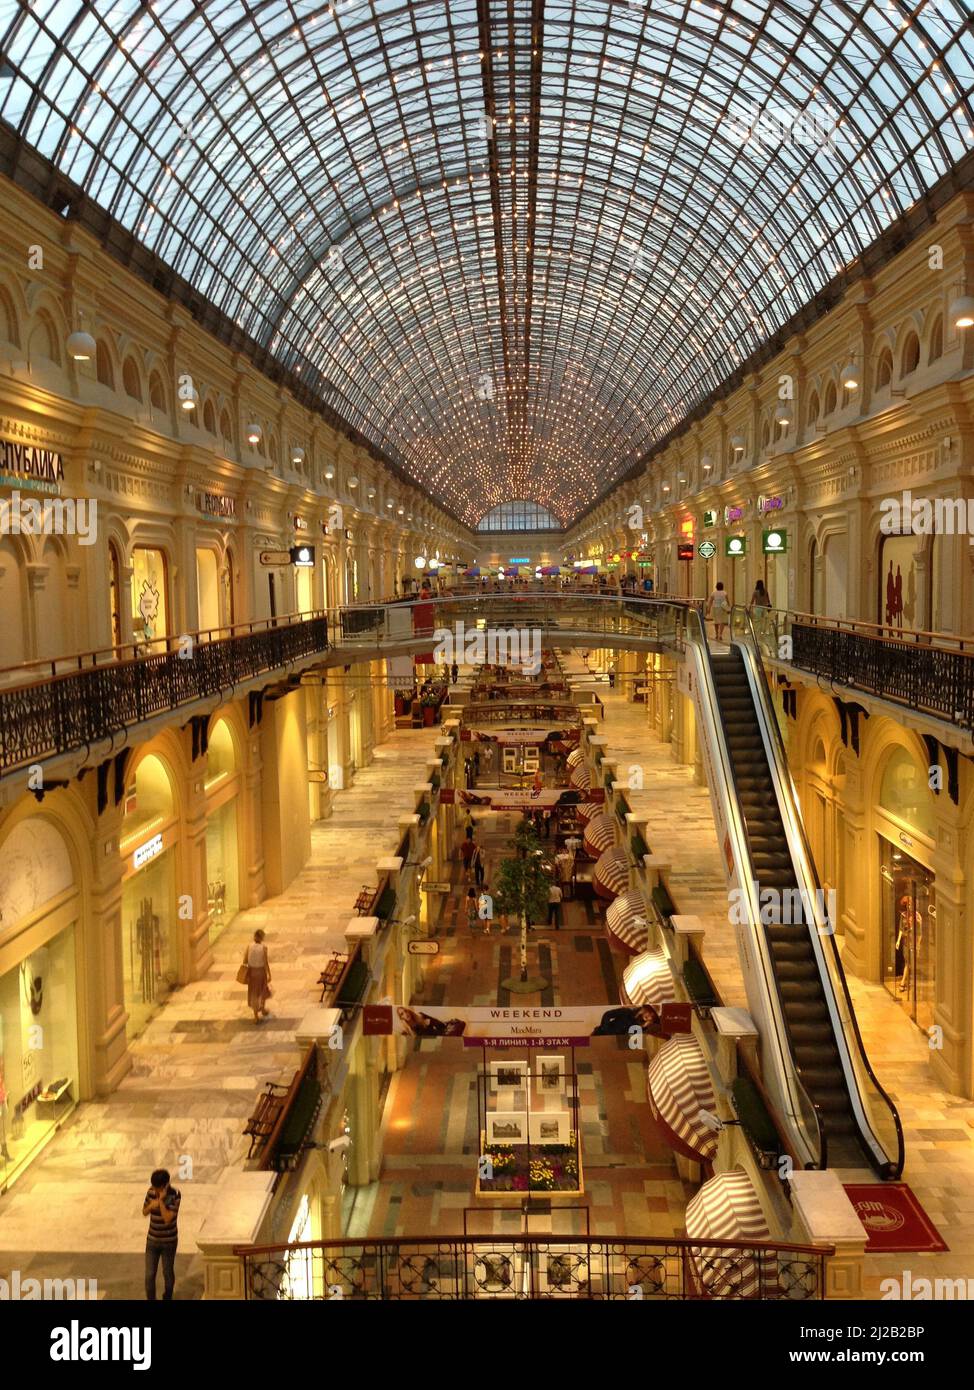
103	366
519	516
9	331
765	434
911	355
226	428
131	380
814	407
884	369
936	339
830	398
209	417
157	392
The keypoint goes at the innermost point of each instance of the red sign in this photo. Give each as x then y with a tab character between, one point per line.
684	552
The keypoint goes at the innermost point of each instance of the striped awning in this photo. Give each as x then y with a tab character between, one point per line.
627	921
575	757
727	1208
585	810
648	980
611	875
581	778
679	1086
599	835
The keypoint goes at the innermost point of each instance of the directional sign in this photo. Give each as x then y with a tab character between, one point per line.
423	948
275	557
707	549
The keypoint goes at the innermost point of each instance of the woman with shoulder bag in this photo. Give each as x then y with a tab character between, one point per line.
255	973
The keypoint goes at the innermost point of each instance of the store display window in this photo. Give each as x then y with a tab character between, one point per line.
909	901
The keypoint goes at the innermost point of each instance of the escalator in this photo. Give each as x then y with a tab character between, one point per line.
803	1001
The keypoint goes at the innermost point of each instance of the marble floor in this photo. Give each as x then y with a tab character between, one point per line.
201	1060
938	1127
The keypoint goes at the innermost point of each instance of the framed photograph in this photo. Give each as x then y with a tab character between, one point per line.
550	1127
508	1076
507	1127
550	1073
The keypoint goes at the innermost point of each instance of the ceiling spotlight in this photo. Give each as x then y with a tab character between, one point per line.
962	311
297	455
849	376
81	347
254	433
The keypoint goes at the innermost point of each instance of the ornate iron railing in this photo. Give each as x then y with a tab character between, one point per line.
76	708
451	1268
923	675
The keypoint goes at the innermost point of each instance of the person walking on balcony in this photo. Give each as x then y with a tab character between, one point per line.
467	851
255	972
454	673
718	607
760	606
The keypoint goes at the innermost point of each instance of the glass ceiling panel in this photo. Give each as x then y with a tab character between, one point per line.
512	243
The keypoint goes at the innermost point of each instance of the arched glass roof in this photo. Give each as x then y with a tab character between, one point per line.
512	243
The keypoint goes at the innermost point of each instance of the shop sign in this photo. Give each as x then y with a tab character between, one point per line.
710	518
40	470
770	504
302	556
735	545
216	504
733	514
707	550
774	542
684	552
273	558
423	948
519	560
567	1025
299	523
687	529
150	850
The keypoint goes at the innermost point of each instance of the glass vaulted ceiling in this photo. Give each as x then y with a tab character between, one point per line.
514	243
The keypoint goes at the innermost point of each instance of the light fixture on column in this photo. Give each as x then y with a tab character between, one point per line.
189	400
782	415
81	346
390	504
371	493
254	433
962	310
737	444
707	465
329	474
297	455
401	511
420	562
849	376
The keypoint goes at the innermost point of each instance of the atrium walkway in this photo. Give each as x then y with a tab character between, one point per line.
77	1211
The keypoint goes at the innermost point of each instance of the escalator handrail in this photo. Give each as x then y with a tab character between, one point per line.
896	1169
768	970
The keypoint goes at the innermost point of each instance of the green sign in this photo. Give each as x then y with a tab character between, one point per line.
707	549
774	542
710	518
735	545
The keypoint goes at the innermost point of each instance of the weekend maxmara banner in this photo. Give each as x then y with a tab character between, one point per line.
566	1025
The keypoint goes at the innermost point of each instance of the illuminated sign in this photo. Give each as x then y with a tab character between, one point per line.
299	523
684	552
774	542
687	528
216	504
733	513
36	469
735	545
519	560
303	556
707	550
710	518
147	851
770	504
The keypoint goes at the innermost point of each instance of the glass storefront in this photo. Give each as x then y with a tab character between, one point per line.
222	877
148	940
150	614
38	1050
909	932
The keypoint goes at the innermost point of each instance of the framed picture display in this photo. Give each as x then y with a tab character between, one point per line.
550	1074
550	1127
510	758
508	1076
508	1127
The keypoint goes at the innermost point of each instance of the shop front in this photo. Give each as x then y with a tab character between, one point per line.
149	938
222	788
150	605
908	894
39	1078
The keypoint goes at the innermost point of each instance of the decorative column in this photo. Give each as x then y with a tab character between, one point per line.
104	970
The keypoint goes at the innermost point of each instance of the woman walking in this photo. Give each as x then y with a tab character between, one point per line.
760	607
718	606
258	967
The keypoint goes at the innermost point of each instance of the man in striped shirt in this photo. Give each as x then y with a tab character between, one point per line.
161	1206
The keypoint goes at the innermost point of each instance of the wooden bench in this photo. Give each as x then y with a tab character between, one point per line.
266	1114
363	903
332	973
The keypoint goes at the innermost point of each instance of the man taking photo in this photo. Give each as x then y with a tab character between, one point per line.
161	1206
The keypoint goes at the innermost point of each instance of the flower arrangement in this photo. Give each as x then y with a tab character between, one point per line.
535	1168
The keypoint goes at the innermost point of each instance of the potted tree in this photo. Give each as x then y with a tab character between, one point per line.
521	892
429	709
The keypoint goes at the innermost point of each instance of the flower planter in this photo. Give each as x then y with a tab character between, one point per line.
429	715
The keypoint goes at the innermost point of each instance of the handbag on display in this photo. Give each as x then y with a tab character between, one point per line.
243	974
